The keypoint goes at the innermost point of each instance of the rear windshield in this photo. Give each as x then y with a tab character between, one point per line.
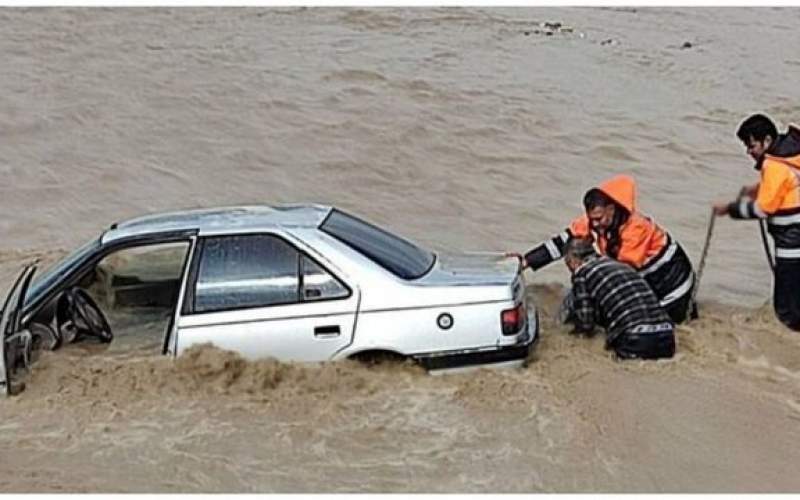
398	256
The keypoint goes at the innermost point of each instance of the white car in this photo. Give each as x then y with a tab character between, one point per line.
296	283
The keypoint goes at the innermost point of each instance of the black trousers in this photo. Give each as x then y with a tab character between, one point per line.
644	346
786	292
679	310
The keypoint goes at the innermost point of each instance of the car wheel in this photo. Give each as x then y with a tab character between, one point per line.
373	358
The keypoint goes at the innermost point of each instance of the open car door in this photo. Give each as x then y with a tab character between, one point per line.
15	345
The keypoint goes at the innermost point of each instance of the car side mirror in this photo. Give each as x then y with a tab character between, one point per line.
313	293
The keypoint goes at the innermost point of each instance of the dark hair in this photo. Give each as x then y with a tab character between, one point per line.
758	127
596	198
579	248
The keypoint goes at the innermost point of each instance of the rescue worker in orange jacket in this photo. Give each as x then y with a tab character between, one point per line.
623	233
775	198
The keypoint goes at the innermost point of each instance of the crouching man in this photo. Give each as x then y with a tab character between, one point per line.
613	295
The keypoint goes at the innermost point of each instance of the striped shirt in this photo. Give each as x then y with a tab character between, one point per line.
612	294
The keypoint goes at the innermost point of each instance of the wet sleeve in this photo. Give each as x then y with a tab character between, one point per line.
553	249
583	305
776	181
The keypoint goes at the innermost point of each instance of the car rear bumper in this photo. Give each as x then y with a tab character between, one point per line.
507	354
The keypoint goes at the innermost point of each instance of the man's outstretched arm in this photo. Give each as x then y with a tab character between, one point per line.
548	251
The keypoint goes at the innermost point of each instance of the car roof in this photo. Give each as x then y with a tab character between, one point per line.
221	219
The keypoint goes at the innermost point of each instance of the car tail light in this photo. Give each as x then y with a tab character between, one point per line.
513	319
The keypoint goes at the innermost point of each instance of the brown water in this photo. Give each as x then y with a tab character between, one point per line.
453	127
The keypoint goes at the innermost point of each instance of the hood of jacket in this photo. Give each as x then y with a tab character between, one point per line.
786	146
621	189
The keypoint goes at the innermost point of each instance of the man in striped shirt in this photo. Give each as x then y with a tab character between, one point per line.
612	294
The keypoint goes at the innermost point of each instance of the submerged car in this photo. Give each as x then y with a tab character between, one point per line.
295	283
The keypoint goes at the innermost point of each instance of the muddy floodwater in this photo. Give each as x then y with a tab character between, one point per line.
460	128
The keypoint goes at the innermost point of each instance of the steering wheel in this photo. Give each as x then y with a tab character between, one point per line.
83	317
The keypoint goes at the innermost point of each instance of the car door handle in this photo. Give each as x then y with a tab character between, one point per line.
327	331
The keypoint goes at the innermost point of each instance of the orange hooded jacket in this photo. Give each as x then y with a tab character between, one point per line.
778	196
779	189
641	239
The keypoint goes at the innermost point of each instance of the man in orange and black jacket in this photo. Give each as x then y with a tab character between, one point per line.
775	198
623	233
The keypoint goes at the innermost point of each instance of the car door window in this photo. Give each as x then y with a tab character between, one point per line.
246	271
318	284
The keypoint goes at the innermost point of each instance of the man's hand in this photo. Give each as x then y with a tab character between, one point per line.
522	262
720	209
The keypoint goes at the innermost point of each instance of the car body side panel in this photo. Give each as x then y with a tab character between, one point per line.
296	332
417	331
401	316
305	331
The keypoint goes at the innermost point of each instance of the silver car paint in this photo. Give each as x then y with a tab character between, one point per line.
383	311
393	314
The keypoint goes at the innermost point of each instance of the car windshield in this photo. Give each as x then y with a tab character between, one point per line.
46	279
401	257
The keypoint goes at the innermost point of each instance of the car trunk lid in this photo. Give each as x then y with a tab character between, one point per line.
472	269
